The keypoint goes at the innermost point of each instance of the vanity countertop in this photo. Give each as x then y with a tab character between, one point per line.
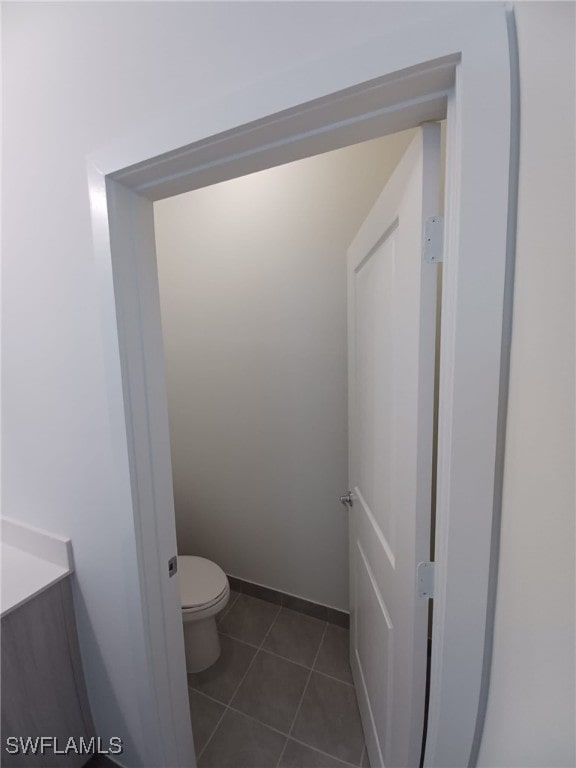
32	560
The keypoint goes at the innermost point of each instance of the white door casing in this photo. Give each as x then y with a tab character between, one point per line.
391	350
408	75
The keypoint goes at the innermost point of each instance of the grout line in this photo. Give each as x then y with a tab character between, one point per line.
244	714
285	658
321	751
207	696
362	755
211	735
245	675
255	719
331	677
283	750
237	639
227	706
310	669
272	728
288	734
272	653
303	694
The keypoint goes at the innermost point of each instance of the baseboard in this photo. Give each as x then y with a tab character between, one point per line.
317	610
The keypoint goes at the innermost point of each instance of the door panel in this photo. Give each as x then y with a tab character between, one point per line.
373	620
375	352
392	305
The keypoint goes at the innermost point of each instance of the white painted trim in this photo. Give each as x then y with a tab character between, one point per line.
353	95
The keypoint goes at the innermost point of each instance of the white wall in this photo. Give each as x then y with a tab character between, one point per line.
253	293
530	719
76	76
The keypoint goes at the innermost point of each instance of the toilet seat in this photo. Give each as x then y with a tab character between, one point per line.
207	609
203	584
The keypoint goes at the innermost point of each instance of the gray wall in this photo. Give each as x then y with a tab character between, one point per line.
253	293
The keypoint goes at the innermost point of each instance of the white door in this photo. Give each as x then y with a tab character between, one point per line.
392	307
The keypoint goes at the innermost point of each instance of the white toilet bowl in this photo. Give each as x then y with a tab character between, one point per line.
204	592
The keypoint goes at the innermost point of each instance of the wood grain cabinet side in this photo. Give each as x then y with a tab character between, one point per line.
43	687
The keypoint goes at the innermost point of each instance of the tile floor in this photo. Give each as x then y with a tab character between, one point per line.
279	696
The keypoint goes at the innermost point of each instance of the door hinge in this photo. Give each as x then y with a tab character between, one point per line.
425	579
172	566
433	245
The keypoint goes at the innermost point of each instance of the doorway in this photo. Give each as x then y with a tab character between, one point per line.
252	277
385	89
253	300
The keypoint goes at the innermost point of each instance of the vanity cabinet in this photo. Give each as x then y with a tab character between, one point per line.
43	688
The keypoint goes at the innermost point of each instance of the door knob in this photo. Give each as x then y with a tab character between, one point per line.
347	500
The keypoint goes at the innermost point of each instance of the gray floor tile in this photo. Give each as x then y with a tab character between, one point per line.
295	636
222	678
249	619
365	759
205	715
334	656
272	691
100	761
298	756
328	719
240	742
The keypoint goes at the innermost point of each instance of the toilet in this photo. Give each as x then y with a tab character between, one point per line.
204	592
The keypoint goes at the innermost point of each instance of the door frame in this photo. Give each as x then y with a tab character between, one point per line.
416	73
